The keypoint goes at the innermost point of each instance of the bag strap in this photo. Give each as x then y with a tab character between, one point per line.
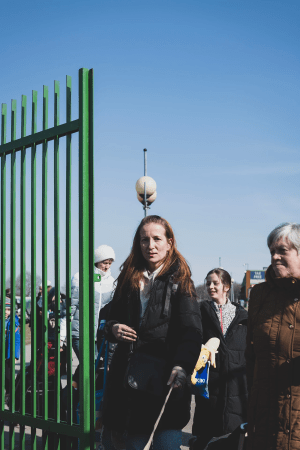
100	352
105	365
104	346
171	289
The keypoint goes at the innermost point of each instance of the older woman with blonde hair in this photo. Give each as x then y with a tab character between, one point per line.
273	347
155	319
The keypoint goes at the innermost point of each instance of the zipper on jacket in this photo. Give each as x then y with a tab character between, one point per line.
221	319
212	313
150	301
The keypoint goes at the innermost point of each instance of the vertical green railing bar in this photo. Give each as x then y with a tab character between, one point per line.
44	261
84	261
91	242
33	270
68	250
12	270
57	254
23	268
3	265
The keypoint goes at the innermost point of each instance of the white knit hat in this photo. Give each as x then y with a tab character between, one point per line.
48	284
104	252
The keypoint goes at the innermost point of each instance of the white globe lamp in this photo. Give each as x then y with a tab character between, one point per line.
146	187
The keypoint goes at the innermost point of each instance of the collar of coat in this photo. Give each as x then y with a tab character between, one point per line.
171	271
133	297
208	312
240	311
104	275
290	284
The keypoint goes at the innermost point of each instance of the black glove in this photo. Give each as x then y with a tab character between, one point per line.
178	377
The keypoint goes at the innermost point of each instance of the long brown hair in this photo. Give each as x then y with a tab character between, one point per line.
133	267
222	274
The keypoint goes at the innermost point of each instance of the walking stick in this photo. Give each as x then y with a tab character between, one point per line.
148	445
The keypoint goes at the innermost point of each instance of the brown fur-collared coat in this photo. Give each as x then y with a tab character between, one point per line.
273	364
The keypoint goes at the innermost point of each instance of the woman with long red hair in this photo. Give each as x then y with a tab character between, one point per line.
155	318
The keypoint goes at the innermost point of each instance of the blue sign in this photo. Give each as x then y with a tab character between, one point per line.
257	276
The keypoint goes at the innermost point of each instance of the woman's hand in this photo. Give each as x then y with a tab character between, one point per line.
124	333
177	377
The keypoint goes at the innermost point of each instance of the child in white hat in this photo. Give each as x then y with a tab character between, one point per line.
104	257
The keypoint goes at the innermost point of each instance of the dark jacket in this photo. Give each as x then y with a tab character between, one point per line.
226	407
51	316
175	336
273	364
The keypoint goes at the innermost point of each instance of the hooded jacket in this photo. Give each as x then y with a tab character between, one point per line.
175	337
51	319
226	407
17	337
103	295
273	364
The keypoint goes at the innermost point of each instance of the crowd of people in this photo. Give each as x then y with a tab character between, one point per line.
157	327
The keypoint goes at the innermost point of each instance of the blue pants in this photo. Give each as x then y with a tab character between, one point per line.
75	345
163	440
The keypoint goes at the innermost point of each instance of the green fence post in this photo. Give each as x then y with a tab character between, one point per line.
57	257
3	264
21	401
68	251
86	302
91	243
44	262
33	271
12	272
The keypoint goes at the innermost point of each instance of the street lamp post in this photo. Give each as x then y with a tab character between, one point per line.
232	291
146	188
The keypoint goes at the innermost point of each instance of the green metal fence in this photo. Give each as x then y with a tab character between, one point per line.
54	429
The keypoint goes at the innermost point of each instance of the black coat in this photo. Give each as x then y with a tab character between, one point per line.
176	337
226	407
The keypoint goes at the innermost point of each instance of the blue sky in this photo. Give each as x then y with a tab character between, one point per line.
211	89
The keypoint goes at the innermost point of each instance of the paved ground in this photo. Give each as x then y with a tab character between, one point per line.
186	432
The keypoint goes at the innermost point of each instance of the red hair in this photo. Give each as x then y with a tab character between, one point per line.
134	266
